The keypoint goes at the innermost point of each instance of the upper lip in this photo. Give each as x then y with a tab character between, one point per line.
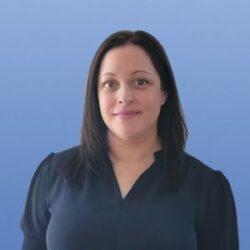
126	112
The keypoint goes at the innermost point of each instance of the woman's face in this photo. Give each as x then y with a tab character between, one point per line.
128	81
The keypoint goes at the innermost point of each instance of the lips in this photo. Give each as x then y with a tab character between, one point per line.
129	112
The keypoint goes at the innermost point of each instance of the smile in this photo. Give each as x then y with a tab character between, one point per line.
127	116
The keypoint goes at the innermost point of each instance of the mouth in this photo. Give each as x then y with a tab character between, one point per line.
128	115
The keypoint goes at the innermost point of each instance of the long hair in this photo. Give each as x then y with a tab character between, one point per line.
92	152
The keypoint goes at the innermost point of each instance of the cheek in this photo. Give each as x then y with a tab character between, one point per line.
152	106
151	102
105	104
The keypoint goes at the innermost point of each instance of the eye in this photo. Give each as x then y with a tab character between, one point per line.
141	80
110	84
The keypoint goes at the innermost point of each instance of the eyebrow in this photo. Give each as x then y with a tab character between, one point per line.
134	72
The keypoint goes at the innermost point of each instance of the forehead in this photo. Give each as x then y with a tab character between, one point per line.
126	59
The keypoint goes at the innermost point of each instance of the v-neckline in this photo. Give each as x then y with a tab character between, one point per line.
121	199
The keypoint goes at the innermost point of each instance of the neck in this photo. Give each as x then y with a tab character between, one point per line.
133	150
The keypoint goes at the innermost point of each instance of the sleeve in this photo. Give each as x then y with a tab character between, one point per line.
36	216
219	230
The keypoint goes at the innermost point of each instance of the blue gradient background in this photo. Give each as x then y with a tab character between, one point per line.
46	48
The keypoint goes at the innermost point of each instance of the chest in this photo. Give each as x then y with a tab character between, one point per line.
92	218
128	174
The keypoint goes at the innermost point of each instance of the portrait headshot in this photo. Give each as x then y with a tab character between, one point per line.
125	125
129	183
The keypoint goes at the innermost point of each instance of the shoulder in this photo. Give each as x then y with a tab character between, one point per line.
204	177
50	164
61	156
209	186
215	214
198	168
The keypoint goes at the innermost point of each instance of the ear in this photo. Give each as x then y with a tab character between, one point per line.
164	97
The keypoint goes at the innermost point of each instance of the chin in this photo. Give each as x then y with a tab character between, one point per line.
129	134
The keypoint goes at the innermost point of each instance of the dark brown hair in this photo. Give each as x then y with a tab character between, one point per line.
92	152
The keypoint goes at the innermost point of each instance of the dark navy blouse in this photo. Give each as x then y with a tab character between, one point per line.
201	215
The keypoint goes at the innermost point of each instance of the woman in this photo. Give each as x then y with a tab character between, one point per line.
129	184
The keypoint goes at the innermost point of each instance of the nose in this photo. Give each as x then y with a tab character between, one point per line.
125	94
